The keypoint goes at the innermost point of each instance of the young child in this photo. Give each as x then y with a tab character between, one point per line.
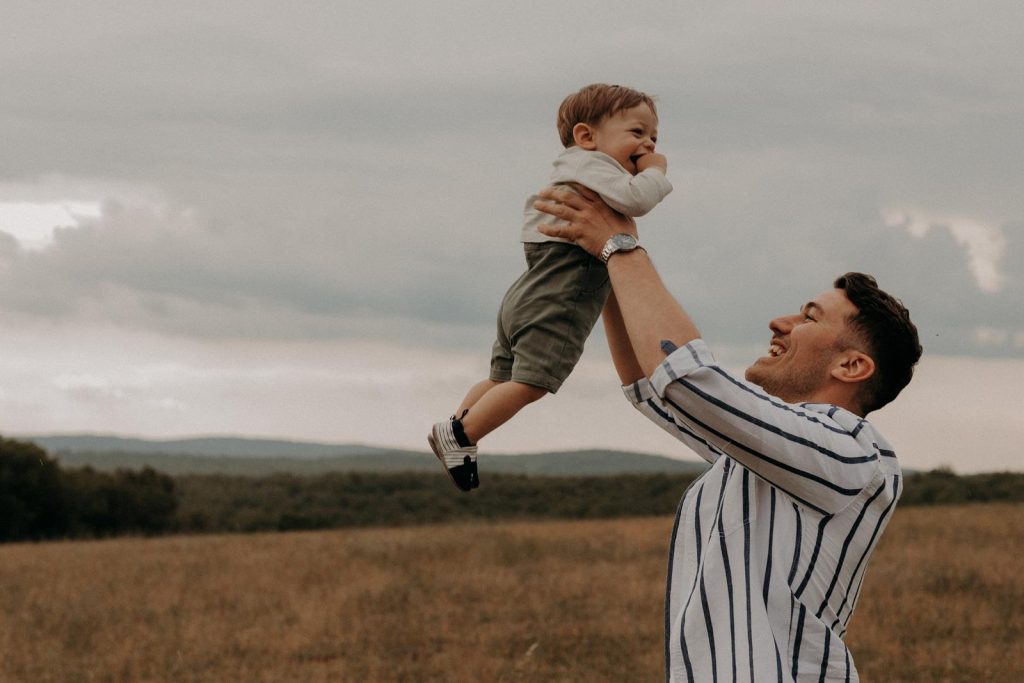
609	133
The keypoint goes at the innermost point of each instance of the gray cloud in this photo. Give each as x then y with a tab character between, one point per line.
340	171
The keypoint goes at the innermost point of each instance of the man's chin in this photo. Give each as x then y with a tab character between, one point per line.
752	373
755	375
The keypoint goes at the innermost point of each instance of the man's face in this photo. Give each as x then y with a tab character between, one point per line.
803	348
627	135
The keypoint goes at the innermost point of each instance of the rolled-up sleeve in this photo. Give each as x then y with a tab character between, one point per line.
816	457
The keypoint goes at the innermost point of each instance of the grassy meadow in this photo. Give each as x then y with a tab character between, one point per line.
522	601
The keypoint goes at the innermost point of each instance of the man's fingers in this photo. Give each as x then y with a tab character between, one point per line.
562	231
567	197
586	192
554	208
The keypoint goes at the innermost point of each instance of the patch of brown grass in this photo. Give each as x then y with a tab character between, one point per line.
502	602
944	597
551	601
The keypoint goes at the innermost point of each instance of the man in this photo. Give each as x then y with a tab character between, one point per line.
770	546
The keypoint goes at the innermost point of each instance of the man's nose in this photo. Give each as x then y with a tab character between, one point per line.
781	325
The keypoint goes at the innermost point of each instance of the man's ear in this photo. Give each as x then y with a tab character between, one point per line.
853	366
583	136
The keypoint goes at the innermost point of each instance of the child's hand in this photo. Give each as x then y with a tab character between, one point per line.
652	159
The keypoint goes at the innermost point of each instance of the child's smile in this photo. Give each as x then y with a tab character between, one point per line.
627	135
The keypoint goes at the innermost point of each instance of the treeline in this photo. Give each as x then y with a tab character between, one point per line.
284	501
342	499
40	500
944	487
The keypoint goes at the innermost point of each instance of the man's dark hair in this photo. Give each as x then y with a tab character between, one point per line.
882	323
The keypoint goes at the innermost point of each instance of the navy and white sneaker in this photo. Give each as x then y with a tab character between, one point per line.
452	448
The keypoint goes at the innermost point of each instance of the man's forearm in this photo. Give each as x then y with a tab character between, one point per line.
649	313
621	348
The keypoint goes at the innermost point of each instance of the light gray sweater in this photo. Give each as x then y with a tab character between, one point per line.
631	195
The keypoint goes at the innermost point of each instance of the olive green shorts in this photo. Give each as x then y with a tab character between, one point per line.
547	315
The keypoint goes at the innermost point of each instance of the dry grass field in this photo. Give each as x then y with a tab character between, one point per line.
551	601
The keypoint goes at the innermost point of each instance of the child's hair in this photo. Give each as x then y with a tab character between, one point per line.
592	103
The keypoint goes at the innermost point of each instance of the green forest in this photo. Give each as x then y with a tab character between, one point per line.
40	499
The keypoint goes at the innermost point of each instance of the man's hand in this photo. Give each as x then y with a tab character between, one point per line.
648	312
652	159
591	221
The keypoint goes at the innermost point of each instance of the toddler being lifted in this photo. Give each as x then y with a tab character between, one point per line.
609	133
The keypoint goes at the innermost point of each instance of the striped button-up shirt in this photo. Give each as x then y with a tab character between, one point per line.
770	545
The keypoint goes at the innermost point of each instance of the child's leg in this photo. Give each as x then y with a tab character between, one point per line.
496	406
474	394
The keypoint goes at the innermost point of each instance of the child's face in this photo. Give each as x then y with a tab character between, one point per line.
626	135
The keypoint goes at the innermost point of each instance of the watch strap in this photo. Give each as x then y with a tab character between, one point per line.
613	245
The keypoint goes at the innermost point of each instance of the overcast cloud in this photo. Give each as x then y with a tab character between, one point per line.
351	175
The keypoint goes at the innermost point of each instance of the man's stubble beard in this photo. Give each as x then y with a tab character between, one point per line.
791	384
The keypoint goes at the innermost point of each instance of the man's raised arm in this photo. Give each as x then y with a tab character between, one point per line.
823	461
623	357
648	312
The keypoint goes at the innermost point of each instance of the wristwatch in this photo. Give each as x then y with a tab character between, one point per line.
619	242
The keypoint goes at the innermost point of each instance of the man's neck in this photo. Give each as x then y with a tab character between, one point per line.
835	396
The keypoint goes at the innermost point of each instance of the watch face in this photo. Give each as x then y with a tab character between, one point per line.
623	241
619	242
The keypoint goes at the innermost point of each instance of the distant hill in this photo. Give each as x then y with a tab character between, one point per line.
258	457
217	446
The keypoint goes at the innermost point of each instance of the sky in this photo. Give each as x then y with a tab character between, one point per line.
297	220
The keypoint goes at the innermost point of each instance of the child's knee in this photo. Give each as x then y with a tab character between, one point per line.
533	393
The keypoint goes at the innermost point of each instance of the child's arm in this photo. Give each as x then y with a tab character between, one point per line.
652	160
628	194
